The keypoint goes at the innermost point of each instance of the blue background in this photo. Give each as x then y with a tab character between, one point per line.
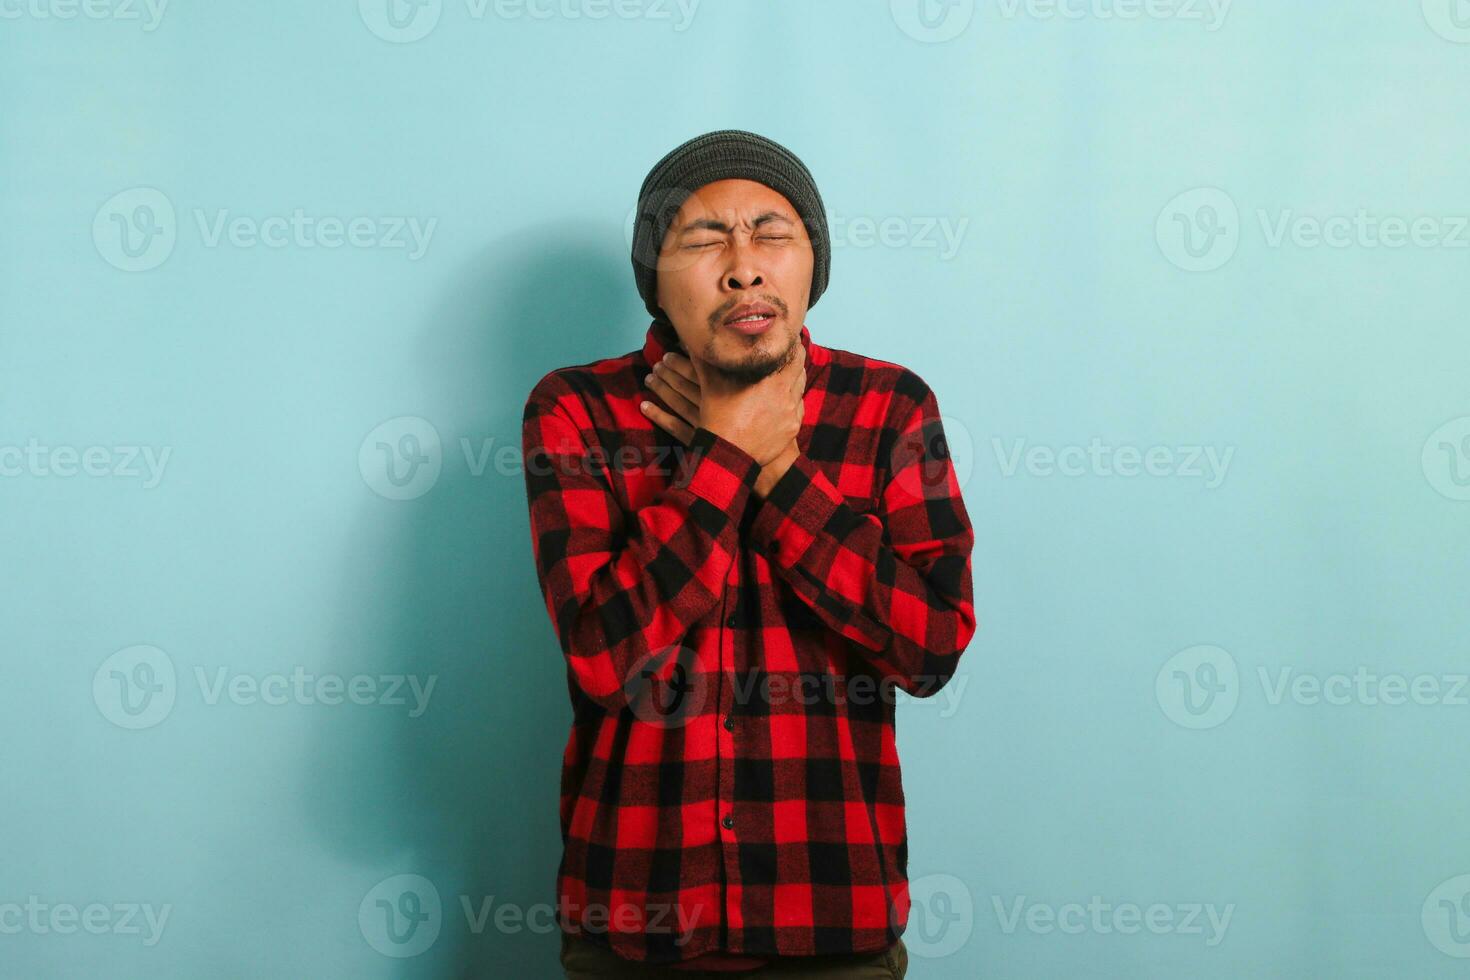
1131	201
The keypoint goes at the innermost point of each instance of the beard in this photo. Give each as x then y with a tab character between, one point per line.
752	367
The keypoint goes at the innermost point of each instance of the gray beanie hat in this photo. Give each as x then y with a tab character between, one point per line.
722	155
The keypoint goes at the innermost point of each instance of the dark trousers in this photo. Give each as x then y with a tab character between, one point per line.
583	960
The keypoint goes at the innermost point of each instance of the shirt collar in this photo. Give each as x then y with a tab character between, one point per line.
661	339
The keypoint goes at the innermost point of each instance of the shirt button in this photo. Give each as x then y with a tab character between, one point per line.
730	622
729	822
775	546
729	723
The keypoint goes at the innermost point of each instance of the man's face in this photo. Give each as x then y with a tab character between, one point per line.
736	244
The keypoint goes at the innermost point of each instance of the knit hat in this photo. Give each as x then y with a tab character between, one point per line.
723	155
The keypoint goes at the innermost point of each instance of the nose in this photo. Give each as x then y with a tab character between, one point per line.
743	269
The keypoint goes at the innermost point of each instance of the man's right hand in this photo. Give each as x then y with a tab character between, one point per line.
763	419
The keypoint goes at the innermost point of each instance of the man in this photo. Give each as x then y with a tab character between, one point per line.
746	541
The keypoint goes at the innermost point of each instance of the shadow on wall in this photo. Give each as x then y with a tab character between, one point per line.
445	584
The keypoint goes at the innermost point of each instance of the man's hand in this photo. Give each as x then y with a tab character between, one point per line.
763	419
775	469
675	381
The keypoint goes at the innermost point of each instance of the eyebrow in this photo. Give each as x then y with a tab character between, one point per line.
711	224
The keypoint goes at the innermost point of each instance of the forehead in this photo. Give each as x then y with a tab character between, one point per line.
734	198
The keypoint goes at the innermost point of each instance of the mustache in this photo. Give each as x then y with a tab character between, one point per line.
718	316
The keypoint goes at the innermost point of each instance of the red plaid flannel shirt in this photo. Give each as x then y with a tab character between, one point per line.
731	780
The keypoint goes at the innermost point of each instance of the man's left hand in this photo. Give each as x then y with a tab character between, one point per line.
676	382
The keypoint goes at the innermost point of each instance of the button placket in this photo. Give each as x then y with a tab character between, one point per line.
724	733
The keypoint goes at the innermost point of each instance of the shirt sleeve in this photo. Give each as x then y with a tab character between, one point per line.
896	581
623	586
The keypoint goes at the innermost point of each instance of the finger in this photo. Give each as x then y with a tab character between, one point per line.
678	382
672	424
672	397
683	366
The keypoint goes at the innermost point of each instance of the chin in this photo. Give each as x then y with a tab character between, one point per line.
748	361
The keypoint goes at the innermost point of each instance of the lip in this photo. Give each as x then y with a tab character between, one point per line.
751	327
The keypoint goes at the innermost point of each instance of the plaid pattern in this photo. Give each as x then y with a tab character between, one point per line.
731	780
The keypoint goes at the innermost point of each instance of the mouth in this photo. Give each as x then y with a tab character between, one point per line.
751	319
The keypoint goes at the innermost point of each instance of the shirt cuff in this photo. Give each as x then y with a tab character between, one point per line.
795	512
718	471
